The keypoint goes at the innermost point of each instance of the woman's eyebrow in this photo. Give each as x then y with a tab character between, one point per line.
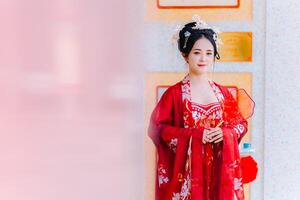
201	50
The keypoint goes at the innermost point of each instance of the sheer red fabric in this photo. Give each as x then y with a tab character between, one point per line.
182	158
245	103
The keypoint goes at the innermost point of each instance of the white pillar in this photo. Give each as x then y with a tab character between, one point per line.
282	94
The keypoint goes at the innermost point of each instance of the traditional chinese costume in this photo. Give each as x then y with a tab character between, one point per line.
187	169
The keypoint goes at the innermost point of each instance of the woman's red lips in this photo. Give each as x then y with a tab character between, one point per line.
201	65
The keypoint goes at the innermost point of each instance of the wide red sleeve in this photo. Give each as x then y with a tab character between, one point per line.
233	119
163	123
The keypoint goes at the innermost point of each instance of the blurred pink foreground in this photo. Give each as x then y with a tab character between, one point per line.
71	120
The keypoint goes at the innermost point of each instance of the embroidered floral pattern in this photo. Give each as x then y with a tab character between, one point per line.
162	176
234	164
184	194
185	88
217	91
176	196
186	187
239	129
207	116
172	144
238	184
186	97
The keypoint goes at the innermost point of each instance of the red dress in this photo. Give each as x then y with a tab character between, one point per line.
187	168
210	115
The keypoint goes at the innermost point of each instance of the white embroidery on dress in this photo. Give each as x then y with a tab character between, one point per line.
185	189
173	144
236	130
234	164
240	128
218	114
176	196
185	88
196	115
162	177
238	184
213	108
217	91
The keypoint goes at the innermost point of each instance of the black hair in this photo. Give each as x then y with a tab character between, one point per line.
185	44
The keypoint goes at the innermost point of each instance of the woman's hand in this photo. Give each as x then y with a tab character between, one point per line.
215	135
206	138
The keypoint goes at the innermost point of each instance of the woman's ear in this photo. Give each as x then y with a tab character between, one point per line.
185	57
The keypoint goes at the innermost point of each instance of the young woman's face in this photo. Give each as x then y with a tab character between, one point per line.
201	57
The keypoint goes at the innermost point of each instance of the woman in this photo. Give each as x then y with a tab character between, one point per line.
196	127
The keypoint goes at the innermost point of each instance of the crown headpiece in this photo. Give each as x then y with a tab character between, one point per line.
200	24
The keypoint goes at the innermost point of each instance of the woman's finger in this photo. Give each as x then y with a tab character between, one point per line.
204	137
215	133
219	140
205	140
213	130
216	137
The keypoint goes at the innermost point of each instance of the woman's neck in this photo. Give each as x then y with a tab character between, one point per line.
199	79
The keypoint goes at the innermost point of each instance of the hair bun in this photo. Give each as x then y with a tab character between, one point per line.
190	33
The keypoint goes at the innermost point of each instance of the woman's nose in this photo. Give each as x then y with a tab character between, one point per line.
202	57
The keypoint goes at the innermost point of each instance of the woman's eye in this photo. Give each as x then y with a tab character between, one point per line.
209	53
196	52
